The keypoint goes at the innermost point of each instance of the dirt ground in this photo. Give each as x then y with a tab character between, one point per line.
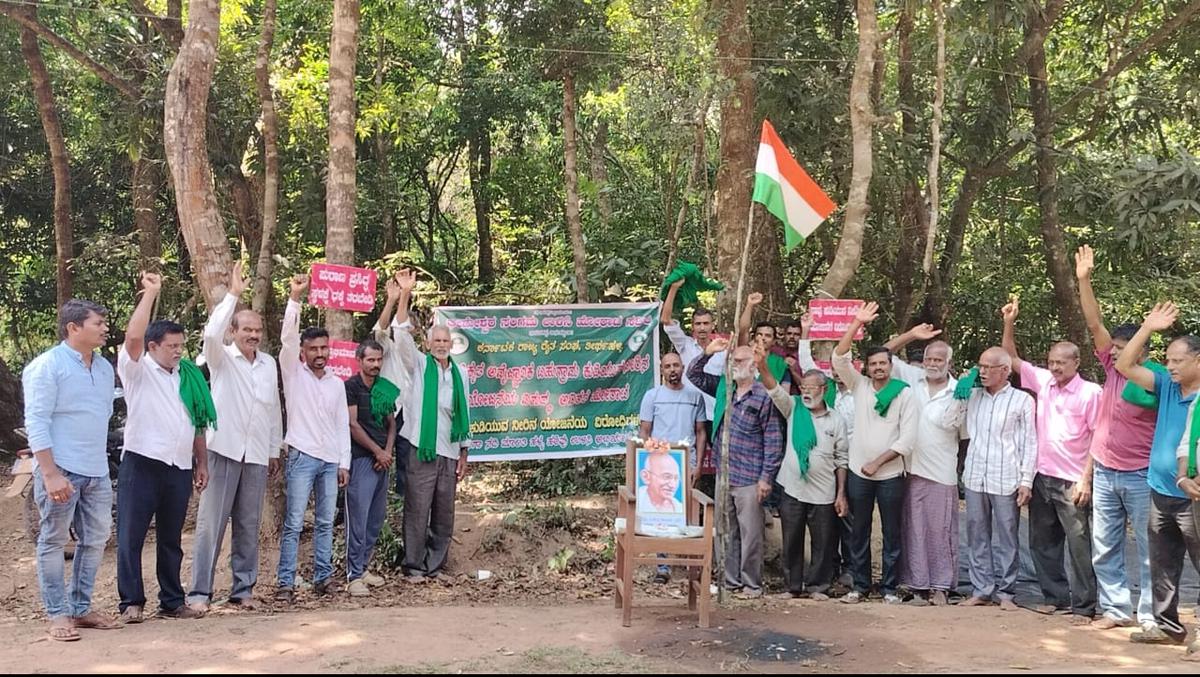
547	607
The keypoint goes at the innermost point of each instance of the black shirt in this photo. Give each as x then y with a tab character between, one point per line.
359	395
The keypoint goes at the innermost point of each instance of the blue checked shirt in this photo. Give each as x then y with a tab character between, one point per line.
756	435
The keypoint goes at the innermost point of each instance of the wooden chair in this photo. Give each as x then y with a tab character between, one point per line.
695	553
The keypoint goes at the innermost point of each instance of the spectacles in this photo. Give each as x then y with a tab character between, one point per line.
991	367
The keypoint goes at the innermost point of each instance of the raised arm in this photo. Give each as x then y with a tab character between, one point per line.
389	307
1159	319
406	279
135	333
221	318
666	314
406	348
705	382
289	334
804	356
903	370
747	318
865	315
1085	263
1008	341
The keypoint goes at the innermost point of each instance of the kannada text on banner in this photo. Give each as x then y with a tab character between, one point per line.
554	381
342	287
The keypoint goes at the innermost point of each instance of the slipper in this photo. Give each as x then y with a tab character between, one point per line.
96	621
243	603
132	615
63	633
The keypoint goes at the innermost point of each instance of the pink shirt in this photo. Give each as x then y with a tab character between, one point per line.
1066	419
1124	431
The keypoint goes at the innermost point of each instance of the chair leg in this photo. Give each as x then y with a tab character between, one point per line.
618	568
627	598
705	593
692	584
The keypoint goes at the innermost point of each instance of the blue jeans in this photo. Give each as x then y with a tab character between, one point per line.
1119	495
90	510
304	474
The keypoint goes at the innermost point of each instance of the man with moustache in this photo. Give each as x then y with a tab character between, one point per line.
672	412
755	453
813	478
318	439
885	430
243	450
929	542
998	474
1060	511
68	403
371	400
170	408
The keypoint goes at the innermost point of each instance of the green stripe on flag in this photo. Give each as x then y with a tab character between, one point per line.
769	193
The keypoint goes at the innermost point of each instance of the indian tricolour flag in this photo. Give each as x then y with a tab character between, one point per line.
786	190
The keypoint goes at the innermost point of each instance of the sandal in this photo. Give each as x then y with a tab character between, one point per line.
96	621
63	632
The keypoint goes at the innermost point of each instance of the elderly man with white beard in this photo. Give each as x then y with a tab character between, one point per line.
813	478
755	453
929	534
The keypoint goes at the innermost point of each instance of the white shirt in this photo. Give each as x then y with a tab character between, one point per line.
392	368
415	363
843	402
317	416
158	425
1185	442
1002	456
820	486
689	350
935	456
246	394
877	434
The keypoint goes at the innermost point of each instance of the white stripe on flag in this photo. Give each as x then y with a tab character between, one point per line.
801	216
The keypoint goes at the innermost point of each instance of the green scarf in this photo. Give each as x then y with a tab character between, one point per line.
966	384
804	433
383	399
775	363
693	282
460	426
831	391
1135	394
887	395
1193	437
197	398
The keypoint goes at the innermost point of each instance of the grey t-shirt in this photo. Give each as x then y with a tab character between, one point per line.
673	413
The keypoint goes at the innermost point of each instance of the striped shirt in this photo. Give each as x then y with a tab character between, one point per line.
1002	455
756	433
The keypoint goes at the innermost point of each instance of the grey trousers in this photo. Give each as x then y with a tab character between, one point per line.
235	493
992	522
428	513
1174	533
366	509
1055	521
744	560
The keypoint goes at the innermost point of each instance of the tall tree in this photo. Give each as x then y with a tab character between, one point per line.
571	177
270	132
185	119
735	175
64	237
341	182
862	121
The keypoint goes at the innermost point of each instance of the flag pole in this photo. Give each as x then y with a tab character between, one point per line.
723	471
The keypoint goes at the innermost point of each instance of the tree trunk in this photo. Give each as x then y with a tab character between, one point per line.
862	119
735	176
270	203
571	175
599	172
341	184
1066	294
64	237
911	216
479	154
699	130
932	188
382	140
184	124
145	181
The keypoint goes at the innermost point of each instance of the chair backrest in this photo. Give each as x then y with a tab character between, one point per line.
668	460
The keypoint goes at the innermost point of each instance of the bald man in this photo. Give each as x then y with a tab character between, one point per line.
243	449
660	476
998	475
1060	513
